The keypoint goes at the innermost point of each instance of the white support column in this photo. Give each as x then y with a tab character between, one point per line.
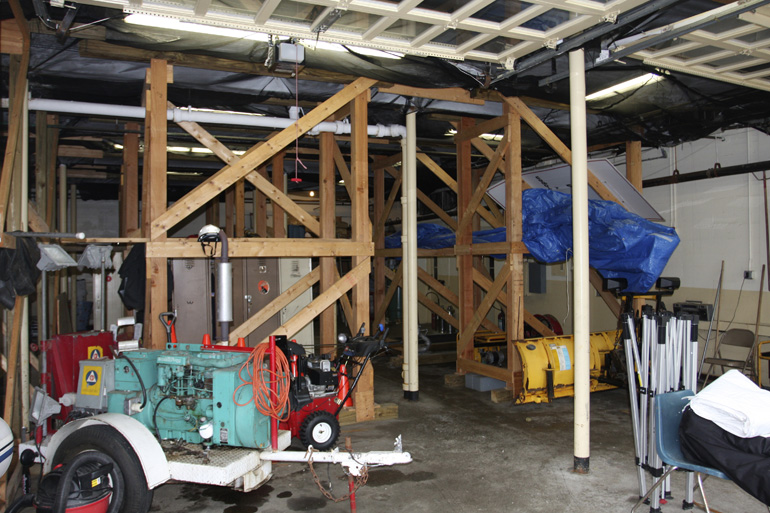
581	294
409	229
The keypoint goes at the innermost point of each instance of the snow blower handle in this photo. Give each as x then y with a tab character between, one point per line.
168	319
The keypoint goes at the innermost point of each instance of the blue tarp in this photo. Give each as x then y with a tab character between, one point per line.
621	244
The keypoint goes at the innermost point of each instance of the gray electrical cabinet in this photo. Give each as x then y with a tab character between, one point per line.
255	285
192	299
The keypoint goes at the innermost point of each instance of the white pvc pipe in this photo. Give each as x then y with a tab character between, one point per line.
353	461
409	229
406	311
178	115
581	295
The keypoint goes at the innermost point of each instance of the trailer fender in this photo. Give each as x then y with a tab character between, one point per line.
146	447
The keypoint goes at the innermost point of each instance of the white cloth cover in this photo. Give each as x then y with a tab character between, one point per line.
734	403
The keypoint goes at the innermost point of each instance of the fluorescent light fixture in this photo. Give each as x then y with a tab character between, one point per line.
178	149
628	85
201	150
117	146
341	182
148	20
312	193
487	137
336	47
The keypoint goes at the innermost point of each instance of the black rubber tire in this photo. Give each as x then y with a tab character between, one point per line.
319	420
137	497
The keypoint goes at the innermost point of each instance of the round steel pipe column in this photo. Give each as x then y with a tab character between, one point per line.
580	295
409	244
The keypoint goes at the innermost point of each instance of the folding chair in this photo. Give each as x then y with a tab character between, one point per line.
735	337
668	415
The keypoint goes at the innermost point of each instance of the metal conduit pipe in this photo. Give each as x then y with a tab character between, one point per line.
178	115
714	172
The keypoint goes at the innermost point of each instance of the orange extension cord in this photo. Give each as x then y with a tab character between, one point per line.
261	393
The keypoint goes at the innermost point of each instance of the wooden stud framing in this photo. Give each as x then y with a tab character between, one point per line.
361	231
156	185
327	196
466	306
129	183
255	157
279	218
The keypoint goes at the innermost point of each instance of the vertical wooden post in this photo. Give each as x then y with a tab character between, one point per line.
361	230
156	300
514	323
634	163
129	180
634	175
327	192
279	217
240	208
212	211
260	208
466	306
230	211
50	192
379	241
42	159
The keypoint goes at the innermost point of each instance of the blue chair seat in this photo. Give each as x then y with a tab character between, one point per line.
668	415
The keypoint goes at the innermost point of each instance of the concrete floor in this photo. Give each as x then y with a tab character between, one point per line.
469	455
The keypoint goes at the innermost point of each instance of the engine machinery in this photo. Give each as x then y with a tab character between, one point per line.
204	394
187	392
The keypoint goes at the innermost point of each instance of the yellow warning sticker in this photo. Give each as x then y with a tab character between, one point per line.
92	376
96	482
95	352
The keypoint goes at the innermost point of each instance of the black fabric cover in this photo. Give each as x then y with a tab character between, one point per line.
24	271
132	283
7	294
745	460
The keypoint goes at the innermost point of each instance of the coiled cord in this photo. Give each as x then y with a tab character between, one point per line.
261	378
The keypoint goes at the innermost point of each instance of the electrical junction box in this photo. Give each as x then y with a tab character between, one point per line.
95	381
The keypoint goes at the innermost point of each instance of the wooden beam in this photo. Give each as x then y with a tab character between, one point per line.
634	163
361	231
325	299
466	306
342	167
36	222
610	300
379	231
467	365
15	120
436	285
485	283
421	253
557	145
257	247
129	183
275	306
277	176
239	226
440	212
451	94
264	187
156	297
53	120
13	356
11	39
255	157
452	184
465	339
485	127
379	214
514	301
328	201
481	188
379	314
260	206
491	248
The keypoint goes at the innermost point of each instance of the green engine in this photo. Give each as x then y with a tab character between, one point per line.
190	393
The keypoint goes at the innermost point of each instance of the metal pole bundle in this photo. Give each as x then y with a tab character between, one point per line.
662	360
